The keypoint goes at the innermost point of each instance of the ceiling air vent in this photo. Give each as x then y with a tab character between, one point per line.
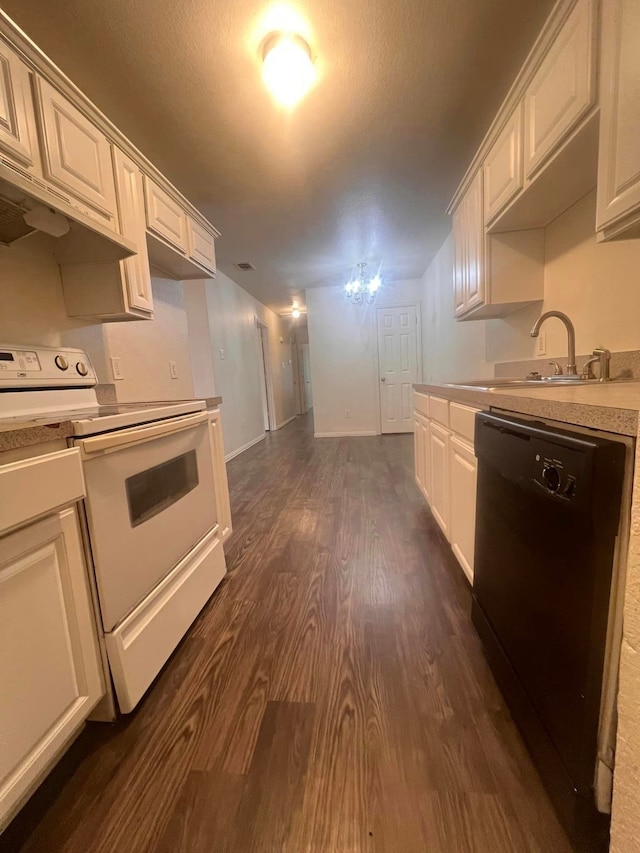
245	266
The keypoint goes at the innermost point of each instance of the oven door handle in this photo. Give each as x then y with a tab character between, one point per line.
120	439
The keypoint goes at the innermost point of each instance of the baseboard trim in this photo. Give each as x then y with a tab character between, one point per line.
353	434
244	447
284	423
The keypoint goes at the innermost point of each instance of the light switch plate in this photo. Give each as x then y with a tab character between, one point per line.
173	369
116	367
221	351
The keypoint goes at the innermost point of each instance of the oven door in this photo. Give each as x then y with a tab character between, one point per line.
150	499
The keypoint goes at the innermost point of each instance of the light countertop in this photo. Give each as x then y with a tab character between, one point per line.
613	407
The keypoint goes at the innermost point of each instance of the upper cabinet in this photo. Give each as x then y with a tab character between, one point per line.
65	169
618	210
17	121
503	167
562	90
178	246
538	158
76	155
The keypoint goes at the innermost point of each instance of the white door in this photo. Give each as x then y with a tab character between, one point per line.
306	374
398	366
50	668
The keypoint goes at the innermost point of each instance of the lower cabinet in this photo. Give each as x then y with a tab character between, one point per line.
220	475
439	438
50	667
463	468
446	473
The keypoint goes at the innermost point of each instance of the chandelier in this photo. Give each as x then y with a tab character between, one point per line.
361	290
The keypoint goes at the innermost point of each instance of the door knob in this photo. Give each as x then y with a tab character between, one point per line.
383	379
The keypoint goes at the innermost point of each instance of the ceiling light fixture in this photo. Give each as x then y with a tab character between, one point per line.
361	290
287	67
295	313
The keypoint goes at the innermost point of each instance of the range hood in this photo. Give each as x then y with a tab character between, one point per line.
28	204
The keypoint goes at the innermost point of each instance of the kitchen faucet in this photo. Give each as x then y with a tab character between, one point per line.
572	369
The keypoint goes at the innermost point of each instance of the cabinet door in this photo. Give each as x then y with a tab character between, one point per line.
202	247
50	667
135	270
503	172
417	451
76	155
459	261
220	482
426	457
463	476
562	90
17	124
474	227
439	464
165	217
619	156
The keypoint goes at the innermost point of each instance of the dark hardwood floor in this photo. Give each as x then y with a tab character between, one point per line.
331	698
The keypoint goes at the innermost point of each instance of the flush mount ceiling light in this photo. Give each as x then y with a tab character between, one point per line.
287	67
361	290
295	312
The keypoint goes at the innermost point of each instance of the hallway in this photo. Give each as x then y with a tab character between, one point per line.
331	698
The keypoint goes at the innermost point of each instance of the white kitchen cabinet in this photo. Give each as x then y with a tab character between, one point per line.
135	270
618	211
493	274
468	237
439	438
421	449
462	522
50	667
220	481
165	217
18	136
562	90
503	168
202	248
76	154
119	291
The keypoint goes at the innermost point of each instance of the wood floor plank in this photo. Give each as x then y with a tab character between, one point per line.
332	697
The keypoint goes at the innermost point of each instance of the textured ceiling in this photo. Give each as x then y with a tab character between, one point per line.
361	170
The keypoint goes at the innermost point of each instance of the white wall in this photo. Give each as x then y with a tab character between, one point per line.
231	326
596	284
344	357
33	312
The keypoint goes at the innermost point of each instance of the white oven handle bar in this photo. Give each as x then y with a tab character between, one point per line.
118	440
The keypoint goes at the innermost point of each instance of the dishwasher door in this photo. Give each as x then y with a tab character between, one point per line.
548	509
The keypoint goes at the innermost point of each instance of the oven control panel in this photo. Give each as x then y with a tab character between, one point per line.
27	366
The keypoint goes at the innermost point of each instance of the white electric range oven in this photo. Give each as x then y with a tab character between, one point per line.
151	522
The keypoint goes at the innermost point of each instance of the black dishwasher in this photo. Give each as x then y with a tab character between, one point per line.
548	510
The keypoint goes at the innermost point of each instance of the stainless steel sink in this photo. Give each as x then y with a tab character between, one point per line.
499	383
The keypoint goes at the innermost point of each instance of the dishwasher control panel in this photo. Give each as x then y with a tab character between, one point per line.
555	478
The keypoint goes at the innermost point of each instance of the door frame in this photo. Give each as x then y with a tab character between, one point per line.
417	305
264	371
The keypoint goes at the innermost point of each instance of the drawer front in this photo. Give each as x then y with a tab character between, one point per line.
77	156
139	647
202	248
439	410
165	217
462	420
40	485
421	403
